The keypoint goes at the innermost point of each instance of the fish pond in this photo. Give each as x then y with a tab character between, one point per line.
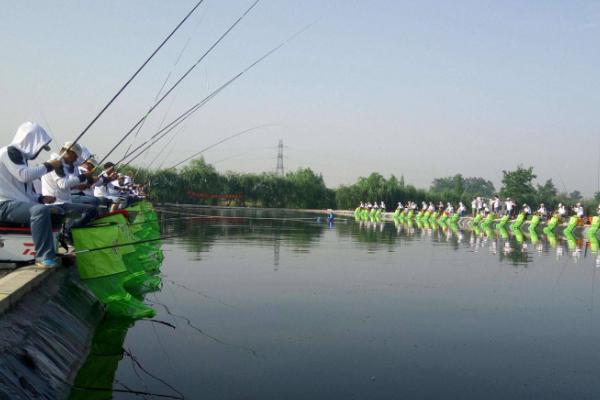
282	305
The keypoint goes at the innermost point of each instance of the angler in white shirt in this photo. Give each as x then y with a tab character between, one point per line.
431	207
579	211
382	206
509	206
474	206
496	204
562	211
462	210
542	211
400	206
18	202
479	204
526	209
104	185
84	193
59	182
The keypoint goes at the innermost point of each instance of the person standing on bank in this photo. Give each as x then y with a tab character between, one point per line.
18	201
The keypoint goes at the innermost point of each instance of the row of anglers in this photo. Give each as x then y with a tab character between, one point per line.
112	230
479	206
430	214
69	187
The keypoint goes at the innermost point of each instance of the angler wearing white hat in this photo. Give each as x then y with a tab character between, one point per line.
59	183
579	211
84	193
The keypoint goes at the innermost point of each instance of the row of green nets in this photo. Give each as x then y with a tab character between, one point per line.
120	270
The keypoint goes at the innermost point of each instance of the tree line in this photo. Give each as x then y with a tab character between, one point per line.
304	188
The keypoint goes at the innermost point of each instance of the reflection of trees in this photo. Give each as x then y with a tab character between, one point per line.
199	234
255	225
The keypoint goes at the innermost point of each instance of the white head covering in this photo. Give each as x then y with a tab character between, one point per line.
30	139
74	147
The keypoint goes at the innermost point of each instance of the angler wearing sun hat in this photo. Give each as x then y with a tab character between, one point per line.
60	182
84	193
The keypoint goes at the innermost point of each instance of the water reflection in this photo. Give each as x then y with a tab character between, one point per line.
265	301
273	228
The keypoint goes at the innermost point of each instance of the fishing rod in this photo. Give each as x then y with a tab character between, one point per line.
167	145
124	244
226	217
164	84
135	74
190	111
218	143
157	103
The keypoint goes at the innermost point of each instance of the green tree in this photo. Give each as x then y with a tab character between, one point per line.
575	196
518	185
547	194
477	186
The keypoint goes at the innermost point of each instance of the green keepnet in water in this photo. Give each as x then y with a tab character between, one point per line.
503	221
488	220
100	367
103	262
477	219
551	225
535	221
572	224
594	228
104	271
135	257
518	222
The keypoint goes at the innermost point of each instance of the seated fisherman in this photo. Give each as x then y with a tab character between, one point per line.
59	183
101	188
83	193
18	202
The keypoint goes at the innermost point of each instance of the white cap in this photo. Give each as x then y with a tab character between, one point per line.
74	147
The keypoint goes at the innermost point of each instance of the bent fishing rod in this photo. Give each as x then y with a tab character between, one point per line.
185	75
114	246
134	75
190	111
218	143
164	84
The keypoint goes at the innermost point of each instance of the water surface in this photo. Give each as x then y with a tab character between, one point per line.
281	309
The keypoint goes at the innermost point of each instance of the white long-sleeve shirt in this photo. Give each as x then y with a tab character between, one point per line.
59	183
16	176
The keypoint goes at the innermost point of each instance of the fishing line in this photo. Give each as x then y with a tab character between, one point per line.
187	42
199	105
208	216
201	294
180	80
220	142
168	144
134	75
140	366
203	333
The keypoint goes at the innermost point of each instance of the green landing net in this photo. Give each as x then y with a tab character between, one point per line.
100	367
104	271
141	261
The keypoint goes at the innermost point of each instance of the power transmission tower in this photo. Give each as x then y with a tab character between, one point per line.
279	168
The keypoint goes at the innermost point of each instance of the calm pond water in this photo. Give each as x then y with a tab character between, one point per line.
273	309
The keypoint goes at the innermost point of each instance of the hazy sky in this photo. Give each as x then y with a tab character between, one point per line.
420	88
